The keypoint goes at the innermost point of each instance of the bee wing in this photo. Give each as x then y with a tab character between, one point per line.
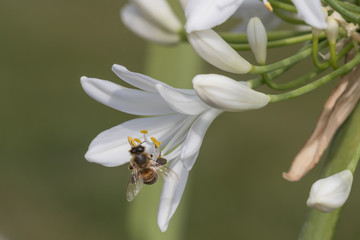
165	172
134	186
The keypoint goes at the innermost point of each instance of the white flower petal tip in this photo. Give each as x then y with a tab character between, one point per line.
257	39
161	27
213	49
311	12
205	14
330	193
227	94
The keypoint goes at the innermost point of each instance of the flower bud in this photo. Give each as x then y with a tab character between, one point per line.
257	39
328	194
213	49
332	30
227	94
152	20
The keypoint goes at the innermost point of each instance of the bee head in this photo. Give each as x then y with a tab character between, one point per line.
137	149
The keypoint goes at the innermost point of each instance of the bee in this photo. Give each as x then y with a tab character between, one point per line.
145	168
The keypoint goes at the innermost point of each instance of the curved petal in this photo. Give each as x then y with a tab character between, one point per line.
138	80
171	194
310	11
195	137
111	148
206	14
213	49
180	102
125	99
144	27
161	12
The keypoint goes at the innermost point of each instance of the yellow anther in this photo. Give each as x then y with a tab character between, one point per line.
131	141
268	6
137	140
144	131
157	144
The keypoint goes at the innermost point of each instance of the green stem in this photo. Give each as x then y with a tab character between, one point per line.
277	43
276	35
308	88
344	153
350	7
333	61
287	61
283	6
308	76
288	19
344	12
315	58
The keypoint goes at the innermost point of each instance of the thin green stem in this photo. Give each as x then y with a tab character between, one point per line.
276	35
278	43
315	58
308	88
333	61
283	6
350	7
288	19
355	18
287	61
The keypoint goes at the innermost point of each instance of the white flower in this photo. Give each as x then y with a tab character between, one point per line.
204	14
153	20
330	193
225	93
213	49
257	39
179	119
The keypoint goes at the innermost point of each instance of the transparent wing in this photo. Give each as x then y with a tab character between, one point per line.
134	186
165	172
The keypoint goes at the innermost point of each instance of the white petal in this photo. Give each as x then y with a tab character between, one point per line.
138	80
310	11
180	102
206	14
224	93
213	49
195	137
125	99
142	26
330	193
110	148
171	194
257	39
161	12
183	3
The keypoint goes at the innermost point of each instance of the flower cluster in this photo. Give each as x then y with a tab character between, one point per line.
179	118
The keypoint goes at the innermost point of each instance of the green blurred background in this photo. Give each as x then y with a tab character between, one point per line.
49	191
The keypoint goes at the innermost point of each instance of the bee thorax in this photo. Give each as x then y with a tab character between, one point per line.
141	160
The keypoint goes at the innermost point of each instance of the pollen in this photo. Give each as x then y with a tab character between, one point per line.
268	6
131	142
144	131
156	142
137	140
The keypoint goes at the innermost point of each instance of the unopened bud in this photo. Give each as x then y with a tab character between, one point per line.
227	94
257	39
332	30
330	193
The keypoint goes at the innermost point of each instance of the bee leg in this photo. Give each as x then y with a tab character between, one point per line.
161	161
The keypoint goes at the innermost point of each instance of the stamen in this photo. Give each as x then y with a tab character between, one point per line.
268	5
131	142
145	137
137	140
144	131
157	144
